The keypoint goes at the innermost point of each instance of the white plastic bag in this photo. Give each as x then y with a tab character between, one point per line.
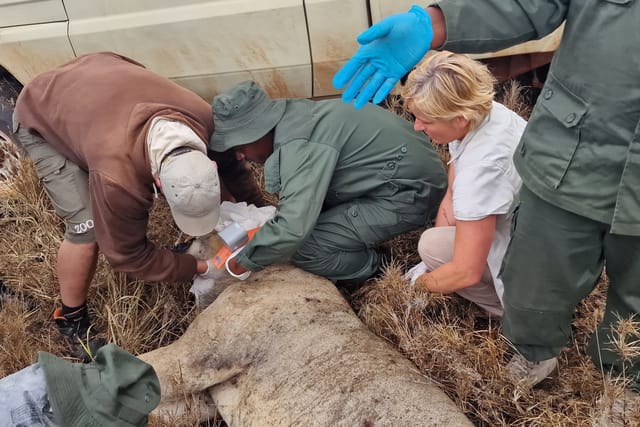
23	399
249	216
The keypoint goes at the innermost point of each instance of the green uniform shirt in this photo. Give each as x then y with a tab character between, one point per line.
327	153
581	148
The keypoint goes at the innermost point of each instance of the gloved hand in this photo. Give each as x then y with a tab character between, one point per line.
388	51
213	272
415	272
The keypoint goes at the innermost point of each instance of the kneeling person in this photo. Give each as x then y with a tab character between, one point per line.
452	99
346	179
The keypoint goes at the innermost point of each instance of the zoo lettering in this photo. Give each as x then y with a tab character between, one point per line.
83	227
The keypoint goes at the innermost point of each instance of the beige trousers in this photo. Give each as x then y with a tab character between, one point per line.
436	248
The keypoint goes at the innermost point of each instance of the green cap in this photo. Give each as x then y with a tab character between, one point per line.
243	115
117	389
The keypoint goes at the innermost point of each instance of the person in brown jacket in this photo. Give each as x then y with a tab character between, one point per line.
105	133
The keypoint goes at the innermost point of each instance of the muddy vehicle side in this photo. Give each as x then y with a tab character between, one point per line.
291	47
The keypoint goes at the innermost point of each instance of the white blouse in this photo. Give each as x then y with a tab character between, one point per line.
486	181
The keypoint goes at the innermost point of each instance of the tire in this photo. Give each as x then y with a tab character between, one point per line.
9	90
9	153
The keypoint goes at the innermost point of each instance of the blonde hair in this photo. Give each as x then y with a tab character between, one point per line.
445	85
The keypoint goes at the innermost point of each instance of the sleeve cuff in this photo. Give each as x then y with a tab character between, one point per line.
244	261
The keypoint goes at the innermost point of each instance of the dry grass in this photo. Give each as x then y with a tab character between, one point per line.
449	339
138	316
457	345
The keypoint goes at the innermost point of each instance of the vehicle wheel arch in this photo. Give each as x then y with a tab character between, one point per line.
10	88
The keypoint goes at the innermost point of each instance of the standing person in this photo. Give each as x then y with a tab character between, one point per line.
451	98
347	179
579	209
102	131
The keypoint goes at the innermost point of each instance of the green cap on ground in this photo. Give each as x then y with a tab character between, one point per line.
117	389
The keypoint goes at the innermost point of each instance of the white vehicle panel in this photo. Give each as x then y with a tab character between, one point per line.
24	12
278	83
333	28
201	41
32	49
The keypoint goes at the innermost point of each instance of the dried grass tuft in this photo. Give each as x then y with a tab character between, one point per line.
626	338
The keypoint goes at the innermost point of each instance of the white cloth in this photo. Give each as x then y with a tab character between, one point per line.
415	272
486	181
204	291
23	399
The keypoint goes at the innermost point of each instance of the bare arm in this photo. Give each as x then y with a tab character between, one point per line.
472	243
445	215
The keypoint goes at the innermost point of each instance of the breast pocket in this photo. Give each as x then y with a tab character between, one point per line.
554	131
272	183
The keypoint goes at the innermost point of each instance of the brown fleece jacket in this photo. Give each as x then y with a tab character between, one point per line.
96	111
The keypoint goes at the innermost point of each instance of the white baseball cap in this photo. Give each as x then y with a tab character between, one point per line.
191	186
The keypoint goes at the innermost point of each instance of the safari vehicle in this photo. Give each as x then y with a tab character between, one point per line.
291	47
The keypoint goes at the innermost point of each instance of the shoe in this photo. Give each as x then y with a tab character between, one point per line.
527	373
80	336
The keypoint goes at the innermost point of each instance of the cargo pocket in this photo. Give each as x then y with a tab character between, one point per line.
48	167
66	184
372	223
554	131
272	182
513	215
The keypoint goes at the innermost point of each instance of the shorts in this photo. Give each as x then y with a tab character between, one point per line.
66	184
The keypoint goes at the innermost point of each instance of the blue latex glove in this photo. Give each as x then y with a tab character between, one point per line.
388	51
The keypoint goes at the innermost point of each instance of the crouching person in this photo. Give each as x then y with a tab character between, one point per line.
346	179
451	97
104	133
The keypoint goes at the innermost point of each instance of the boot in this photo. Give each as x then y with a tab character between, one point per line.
529	373
81	337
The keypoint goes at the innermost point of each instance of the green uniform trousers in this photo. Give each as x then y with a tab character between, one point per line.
342	243
554	260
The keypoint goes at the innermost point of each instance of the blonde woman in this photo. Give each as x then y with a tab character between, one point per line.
451	97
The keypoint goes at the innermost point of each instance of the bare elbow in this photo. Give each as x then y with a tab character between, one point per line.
472	277
468	276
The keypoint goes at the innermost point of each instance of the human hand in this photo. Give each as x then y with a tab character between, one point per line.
388	51
234	268
415	272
